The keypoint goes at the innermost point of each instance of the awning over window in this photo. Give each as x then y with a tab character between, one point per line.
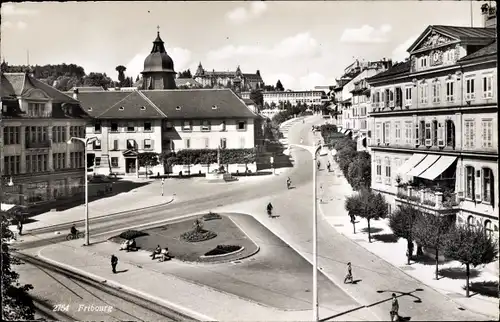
438	167
411	163
428	161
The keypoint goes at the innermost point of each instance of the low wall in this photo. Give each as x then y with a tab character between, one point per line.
199	168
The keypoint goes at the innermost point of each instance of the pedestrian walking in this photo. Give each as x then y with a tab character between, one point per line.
20	226
394	308
348	277
114	262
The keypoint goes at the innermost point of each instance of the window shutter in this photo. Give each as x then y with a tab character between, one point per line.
123	144
440	132
141	144
417	134
478	189
152	144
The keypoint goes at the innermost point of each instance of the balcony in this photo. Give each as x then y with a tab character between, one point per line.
38	145
428	200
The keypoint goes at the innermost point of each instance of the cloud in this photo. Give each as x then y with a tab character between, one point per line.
21	25
366	34
182	60
287	80
302	45
242	14
11	10
400	52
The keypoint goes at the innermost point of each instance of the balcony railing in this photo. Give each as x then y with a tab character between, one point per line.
38	144
431	199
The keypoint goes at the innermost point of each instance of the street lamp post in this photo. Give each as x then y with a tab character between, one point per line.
86	142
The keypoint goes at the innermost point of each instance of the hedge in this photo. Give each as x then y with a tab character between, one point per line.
223	249
130	234
209	156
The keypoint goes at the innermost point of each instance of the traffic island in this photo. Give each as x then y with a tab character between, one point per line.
206	238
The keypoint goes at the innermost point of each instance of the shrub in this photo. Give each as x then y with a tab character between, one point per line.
211	216
223	249
429	203
414	198
194	236
401	195
130	234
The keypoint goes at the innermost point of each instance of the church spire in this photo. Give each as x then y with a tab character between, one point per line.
158	44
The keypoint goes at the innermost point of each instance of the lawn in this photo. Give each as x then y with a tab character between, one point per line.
168	235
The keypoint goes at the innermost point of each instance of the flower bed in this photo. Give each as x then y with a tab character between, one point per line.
196	236
130	234
223	250
211	216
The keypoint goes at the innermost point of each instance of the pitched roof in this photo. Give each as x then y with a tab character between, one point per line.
491	49
398	68
199	103
87	89
14	84
184	81
134	105
95	103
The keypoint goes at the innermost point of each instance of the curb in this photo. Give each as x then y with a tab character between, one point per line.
407	274
96	278
103	216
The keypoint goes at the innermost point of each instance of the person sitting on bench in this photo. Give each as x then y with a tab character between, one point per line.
164	255
157	251
131	245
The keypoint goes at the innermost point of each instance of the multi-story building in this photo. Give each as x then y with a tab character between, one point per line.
277	98
37	122
435	126
162	119
360	103
245	81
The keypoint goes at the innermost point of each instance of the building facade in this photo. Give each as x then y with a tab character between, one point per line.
244	81
277	98
37	122
435	126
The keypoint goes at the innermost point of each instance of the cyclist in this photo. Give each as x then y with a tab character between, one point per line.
73	230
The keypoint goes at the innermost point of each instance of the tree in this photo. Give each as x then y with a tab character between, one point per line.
121	73
185	74
470	246
17	304
148	160
429	231
137	78
401	223
367	204
359	171
97	79
257	97
279	86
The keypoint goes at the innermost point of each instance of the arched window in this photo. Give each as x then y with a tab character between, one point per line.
471	222
488	228
469	182
488	184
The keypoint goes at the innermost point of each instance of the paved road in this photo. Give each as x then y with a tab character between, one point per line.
65	296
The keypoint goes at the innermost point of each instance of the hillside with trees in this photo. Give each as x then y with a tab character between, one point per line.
62	76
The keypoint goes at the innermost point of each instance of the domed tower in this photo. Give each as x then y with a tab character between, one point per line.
158	70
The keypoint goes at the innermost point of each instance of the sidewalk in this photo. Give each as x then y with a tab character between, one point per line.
332	192
142	197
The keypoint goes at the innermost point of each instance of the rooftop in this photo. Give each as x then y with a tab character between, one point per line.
491	49
396	69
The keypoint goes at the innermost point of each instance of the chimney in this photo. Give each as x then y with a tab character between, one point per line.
389	63
75	93
489	16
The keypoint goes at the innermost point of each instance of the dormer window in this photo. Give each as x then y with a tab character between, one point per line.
186	126
90	109
205	126
97	127
143	108
178	108
214	107
121	108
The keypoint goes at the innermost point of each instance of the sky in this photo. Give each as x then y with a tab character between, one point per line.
302	43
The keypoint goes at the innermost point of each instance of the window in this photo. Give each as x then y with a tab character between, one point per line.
450	91
148	127
408	132
97	127
487	227
423	62
387	168
11	135
436	92
186	126
76	159
205	126
223	143
114	127
12	164
378	133
469	134
471	222
131	145
96	145
37	163
450	133
469	92
36	109
469	182
114	162
187	143
488	86
130	127
428	134
488	195
206	143
115	145
423	93
242	142
378	165
487	133
241	126
97	161
408	96
397	130
148	144
434	133
59	161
